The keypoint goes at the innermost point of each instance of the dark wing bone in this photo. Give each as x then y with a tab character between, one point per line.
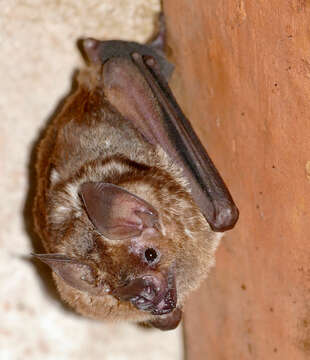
134	84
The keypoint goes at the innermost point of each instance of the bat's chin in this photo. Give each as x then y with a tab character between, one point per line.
153	292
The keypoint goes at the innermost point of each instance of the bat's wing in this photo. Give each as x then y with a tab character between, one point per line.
135	82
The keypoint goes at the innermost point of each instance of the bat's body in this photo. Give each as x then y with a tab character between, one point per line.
117	186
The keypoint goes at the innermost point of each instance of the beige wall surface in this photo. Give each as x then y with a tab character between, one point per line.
38	57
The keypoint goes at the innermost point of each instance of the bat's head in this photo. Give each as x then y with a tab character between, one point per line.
138	270
145	245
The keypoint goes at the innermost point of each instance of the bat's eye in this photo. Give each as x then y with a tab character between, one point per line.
151	255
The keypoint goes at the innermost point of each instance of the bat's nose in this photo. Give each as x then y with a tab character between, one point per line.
167	303
152	293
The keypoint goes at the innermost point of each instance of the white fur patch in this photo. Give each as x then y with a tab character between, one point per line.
72	190
54	177
188	233
69	206
62	209
59	214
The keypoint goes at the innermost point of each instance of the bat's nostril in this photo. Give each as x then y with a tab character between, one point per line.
149	293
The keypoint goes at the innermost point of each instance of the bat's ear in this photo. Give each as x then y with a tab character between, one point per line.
74	272
116	213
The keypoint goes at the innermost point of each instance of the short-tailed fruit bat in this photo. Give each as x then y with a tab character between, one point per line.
129	205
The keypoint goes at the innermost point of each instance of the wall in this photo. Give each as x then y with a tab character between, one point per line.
244	71
38	58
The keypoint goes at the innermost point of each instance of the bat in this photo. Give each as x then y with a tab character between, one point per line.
129	206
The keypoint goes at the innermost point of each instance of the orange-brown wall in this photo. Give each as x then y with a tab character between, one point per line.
244	71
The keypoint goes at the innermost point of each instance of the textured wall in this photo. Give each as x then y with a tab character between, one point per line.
245	74
38	58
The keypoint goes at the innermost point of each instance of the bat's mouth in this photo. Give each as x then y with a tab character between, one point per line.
153	292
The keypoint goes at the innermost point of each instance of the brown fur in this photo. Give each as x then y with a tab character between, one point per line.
90	141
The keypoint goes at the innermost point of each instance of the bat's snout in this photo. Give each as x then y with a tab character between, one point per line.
155	293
